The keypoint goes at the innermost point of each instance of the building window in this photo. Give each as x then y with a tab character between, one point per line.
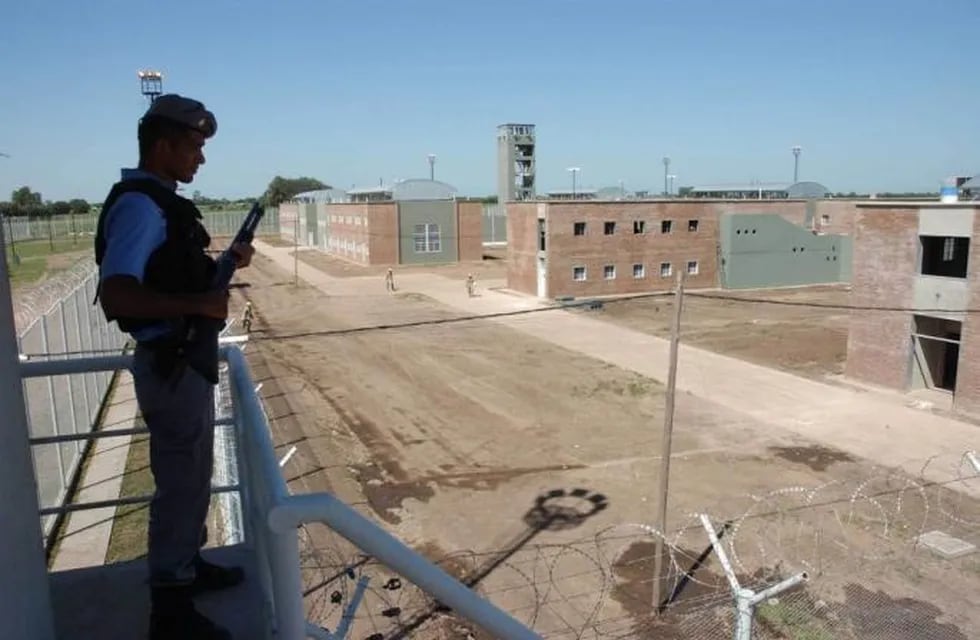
639	271
609	272
639	226
692	225
542	236
666	226
427	238
578	274
692	267
665	270
580	228
824	219
944	256
609	228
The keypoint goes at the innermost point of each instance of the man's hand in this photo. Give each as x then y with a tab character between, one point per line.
213	304
243	254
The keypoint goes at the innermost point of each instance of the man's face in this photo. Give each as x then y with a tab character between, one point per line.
183	155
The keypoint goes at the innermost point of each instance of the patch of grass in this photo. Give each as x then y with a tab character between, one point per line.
128	538
34	255
792	622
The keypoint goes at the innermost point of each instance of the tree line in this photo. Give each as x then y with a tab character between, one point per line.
25	202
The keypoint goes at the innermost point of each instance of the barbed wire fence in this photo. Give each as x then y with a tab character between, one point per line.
858	541
57	316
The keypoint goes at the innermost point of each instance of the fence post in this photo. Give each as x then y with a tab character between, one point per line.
83	290
71	393
52	406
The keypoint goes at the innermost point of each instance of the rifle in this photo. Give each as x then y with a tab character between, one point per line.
201	349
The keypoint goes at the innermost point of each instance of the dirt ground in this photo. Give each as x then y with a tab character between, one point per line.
808	341
530	472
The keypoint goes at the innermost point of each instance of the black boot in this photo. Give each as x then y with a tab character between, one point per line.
211	577
173	617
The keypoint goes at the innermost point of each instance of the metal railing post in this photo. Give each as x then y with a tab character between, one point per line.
287	585
25	597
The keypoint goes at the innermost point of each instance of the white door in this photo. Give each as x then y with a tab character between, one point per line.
542	279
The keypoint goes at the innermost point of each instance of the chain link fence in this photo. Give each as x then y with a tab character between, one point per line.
59	317
218	223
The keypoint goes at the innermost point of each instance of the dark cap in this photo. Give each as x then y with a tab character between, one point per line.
185	111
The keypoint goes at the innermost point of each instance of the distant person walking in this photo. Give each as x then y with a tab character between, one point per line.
389	280
470	285
247	318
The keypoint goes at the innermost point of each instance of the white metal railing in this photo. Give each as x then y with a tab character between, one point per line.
272	517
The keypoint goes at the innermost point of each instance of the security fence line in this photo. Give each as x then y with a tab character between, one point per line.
66	405
218	223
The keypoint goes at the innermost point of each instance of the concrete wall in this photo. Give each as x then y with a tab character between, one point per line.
522	225
288	216
763	250
886	242
440	212
967	395
469	222
322	226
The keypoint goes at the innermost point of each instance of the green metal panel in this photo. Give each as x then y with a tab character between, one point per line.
307	212
427	212
846	257
764	250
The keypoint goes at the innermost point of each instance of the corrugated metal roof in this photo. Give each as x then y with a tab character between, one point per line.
423	189
322	195
973	184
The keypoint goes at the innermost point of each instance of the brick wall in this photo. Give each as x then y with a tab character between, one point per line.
884	271
840	216
625	248
382	233
469	226
349	226
522	226
967	396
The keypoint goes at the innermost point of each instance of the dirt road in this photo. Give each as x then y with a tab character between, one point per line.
455	435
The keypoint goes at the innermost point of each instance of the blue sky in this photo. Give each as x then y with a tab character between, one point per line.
881	94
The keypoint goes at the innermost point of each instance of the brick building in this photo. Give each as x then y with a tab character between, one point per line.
388	232
921	259
571	248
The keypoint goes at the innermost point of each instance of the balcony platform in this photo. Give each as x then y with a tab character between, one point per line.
112	602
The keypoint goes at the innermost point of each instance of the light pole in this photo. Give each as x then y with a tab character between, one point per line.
666	171
432	166
797	150
574	171
670	190
151	84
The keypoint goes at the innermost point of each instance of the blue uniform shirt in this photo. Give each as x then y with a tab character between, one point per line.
134	228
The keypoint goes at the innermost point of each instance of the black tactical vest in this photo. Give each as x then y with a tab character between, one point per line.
180	264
